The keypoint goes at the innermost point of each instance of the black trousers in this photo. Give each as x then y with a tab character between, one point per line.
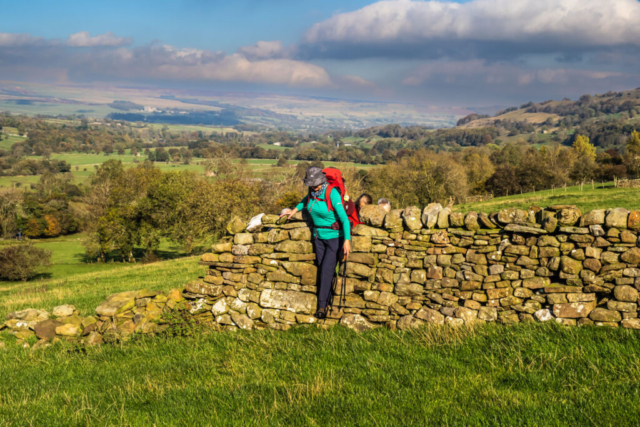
327	252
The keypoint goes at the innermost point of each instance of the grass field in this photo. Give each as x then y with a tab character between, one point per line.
525	375
83	165
207	130
8	140
86	290
68	256
587	199
54	109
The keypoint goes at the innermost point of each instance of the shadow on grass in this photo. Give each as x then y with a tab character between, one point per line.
141	255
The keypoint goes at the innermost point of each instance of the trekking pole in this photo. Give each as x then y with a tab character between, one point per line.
344	284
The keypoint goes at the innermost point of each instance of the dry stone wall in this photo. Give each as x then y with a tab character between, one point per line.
412	266
119	317
408	267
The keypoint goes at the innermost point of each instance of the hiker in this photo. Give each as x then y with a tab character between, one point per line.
385	204
330	228
363	200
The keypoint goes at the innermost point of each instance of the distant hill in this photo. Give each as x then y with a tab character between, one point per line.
264	110
567	113
607	120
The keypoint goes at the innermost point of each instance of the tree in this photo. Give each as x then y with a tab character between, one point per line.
418	180
479	168
162	155
52	228
632	155
34	229
583	147
282	162
633	144
503	181
583	169
22	262
9	200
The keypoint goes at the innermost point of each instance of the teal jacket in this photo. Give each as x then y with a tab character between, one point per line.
321	217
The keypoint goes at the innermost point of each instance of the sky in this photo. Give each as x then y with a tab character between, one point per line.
470	53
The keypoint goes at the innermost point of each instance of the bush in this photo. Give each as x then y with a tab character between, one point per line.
22	262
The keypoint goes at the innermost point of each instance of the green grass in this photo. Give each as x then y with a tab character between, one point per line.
587	199
272	147
207	130
68	255
54	109
7	141
13	181
495	375
88	161
84	159
86	290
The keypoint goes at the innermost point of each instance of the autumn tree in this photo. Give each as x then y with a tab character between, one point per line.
582	146
479	168
52	227
418	180
34	229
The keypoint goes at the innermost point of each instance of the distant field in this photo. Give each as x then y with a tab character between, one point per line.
17	181
54	109
193	128
84	159
273	147
586	200
8	140
85	165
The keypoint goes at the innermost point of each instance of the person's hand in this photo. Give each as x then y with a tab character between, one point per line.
346	248
289	213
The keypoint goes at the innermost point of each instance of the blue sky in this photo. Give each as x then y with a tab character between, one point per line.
216	25
467	53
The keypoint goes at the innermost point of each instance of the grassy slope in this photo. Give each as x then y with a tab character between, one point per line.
586	200
68	255
494	375
87	290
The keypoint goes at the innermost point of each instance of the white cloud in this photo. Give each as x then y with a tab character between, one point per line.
84	39
501	74
525	26
164	62
18	40
41	59
265	50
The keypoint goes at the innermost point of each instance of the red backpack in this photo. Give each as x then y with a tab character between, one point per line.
334	180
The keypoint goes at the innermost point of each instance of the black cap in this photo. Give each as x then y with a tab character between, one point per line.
314	177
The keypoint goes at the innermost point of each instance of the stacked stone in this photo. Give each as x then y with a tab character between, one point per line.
261	276
407	268
117	318
410	266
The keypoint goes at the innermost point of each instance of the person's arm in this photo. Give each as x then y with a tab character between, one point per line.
299	207
336	202
302	204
